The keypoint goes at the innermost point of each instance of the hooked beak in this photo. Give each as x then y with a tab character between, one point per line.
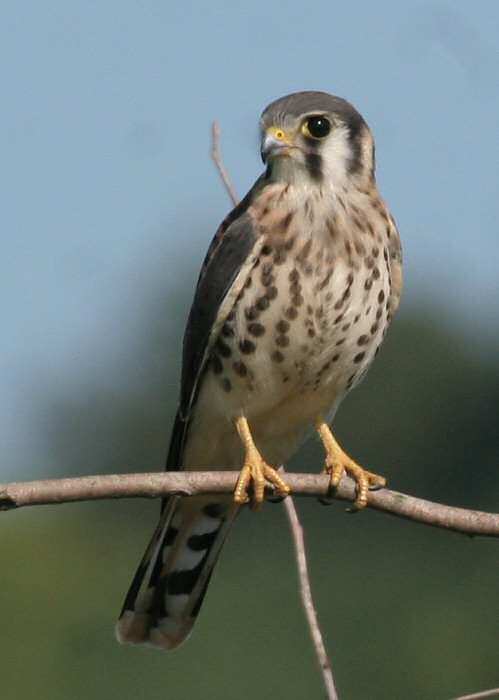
275	142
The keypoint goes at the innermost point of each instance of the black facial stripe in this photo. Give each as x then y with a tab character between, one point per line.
356	127
313	162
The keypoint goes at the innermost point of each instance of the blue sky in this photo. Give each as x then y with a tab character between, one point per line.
109	198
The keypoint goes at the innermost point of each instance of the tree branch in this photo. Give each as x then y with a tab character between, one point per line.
307	600
217	159
156	485
492	693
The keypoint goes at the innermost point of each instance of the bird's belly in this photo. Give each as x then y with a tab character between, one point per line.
302	333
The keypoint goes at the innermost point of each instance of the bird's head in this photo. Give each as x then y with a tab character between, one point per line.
315	137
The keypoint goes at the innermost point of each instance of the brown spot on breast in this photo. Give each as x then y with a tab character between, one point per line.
305	251
362	339
271	293
277	356
282	326
266	249
359	357
326	279
251	313
295	288
247	346
223	348
282	341
227	330
291	312
262	303
381	297
256	329
240	368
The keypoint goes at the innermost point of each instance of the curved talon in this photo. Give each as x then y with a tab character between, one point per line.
255	470
259	472
339	463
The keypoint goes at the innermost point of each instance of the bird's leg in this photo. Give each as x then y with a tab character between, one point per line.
338	462
255	470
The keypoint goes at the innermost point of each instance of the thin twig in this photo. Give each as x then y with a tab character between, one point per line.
294	521
493	693
217	159
307	600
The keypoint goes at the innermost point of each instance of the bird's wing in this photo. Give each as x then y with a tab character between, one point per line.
230	257
395	253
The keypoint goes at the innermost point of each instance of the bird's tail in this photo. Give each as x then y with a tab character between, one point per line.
171	581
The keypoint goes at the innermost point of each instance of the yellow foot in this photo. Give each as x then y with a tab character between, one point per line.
339	463
255	470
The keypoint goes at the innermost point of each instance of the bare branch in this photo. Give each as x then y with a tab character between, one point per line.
493	693
217	159
158	484
307	600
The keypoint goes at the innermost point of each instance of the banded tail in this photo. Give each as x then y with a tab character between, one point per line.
171	581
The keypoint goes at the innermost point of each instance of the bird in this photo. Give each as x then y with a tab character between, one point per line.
295	295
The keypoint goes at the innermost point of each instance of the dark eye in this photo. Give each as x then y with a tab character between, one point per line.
318	127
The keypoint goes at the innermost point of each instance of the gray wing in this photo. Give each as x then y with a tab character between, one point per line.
228	252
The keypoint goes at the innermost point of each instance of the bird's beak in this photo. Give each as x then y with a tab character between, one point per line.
275	142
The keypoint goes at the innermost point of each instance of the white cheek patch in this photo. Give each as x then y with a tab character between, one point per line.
336	155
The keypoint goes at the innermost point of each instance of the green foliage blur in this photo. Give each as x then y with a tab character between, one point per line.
407	611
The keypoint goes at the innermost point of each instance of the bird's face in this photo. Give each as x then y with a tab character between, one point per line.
314	137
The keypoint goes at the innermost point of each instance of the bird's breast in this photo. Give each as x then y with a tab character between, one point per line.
311	315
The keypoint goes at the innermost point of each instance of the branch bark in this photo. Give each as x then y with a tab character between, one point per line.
191	483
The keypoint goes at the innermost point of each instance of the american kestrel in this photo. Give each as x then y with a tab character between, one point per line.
293	300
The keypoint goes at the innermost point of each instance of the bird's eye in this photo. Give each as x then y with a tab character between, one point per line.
317	127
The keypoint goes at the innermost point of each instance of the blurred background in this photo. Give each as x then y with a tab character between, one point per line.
109	201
